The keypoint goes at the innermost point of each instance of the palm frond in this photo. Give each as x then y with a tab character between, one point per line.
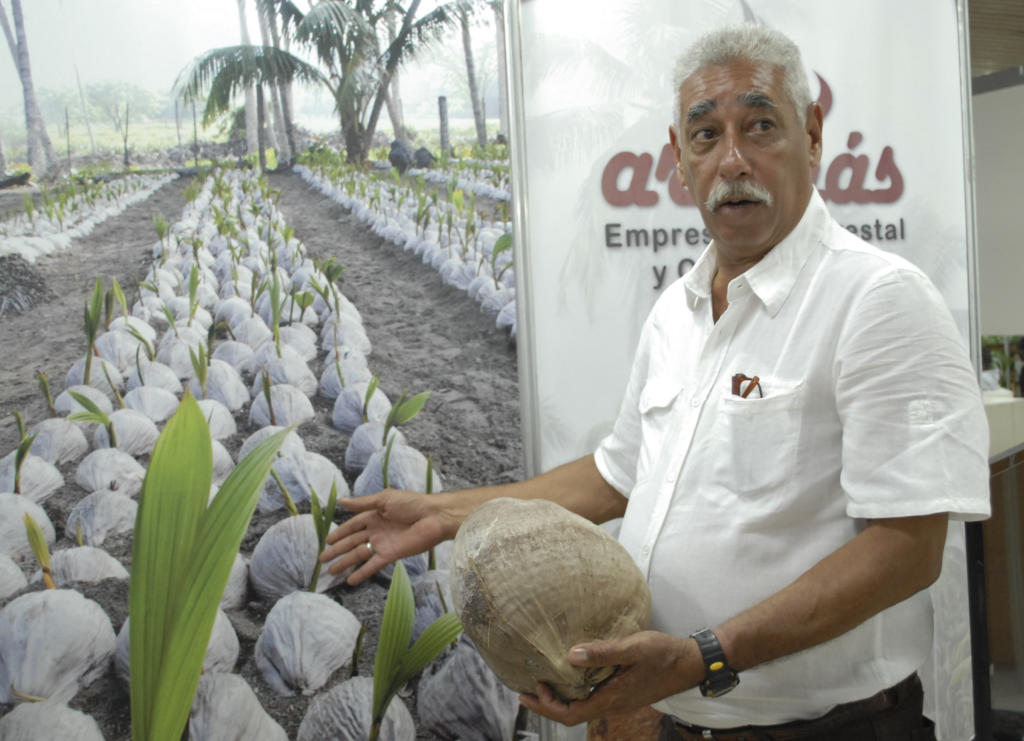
337	33
424	33
287	11
229	70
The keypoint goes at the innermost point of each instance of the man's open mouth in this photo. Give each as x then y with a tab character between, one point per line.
740	202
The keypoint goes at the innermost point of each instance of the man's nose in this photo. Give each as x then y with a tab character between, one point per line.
733	164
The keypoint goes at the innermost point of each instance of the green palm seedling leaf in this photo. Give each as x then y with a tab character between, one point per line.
161	226
20	422
200	364
171	321
276	307
193	290
37	541
323	518
118	294
502	244
371	387
181	558
44	388
92	414
110	383
91	323
265	385
289	503
20	454
396	662
143	343
304	299
108	309
431	642
403	410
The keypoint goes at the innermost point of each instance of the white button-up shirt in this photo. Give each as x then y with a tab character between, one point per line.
867	407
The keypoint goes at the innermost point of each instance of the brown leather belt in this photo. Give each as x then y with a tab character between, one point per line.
818	728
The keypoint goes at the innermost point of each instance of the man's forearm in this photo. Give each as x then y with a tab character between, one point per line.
578	486
885	564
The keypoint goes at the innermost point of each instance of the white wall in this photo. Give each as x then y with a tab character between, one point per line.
999	198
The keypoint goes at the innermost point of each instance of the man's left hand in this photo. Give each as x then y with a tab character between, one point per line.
650	666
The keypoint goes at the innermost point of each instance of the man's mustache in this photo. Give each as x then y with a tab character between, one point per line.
737	190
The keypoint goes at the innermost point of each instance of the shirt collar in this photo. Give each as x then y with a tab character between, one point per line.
771	279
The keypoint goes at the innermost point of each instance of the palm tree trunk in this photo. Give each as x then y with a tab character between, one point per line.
394	106
85	111
394	97
499	31
275	126
286	97
353	139
251	116
474	94
366	136
259	128
40	150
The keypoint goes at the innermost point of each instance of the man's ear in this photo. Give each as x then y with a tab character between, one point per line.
674	141
815	117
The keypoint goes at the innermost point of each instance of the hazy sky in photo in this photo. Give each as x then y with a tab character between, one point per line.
144	42
149	42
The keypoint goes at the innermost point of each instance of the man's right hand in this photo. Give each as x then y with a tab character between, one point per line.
400	523
396	523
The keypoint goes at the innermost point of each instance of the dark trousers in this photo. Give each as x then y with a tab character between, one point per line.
894	714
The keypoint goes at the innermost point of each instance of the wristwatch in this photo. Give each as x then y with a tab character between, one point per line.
720	678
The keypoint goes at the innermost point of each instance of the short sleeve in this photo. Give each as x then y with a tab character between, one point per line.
617	454
915	434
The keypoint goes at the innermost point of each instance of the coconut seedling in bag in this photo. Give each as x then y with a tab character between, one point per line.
372	435
396	662
285	558
91	324
306	638
359	403
226	709
26	474
31	721
12	578
53	642
530	579
125	429
461	697
59	441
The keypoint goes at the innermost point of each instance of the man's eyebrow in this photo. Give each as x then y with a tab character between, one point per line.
700	109
755	100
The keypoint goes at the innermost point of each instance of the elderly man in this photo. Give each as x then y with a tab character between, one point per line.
800	423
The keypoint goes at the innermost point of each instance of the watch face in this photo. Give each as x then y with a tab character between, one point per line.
720	685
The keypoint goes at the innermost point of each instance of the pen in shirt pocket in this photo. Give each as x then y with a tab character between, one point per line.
743	385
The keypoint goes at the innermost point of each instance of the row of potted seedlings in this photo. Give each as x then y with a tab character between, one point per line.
471	251
52	221
230	317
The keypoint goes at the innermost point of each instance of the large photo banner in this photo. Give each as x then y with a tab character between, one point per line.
603	226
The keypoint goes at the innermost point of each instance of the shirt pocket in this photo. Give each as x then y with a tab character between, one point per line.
655	406
755	440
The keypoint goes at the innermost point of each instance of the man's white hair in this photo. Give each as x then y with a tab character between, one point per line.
752	44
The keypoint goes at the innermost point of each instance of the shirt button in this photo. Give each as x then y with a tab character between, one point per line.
646	550
695	402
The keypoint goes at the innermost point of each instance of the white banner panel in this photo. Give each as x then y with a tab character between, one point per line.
603	226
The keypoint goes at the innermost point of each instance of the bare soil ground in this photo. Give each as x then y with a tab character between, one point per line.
426	336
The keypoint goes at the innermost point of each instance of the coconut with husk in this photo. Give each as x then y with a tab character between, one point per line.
531	579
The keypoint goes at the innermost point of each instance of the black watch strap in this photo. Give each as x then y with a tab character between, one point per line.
719	677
